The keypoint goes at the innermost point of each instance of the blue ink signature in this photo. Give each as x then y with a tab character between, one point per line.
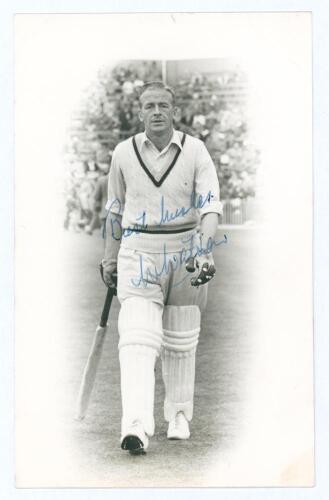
117	232
173	261
116	227
196	202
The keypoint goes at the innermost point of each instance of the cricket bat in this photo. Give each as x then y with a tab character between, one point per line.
89	373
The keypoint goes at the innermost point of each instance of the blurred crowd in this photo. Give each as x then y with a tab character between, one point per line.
223	126
110	114
86	196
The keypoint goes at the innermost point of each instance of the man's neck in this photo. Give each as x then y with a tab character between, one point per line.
160	141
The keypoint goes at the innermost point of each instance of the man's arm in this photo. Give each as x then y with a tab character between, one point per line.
208	228
207	185
112	245
205	261
115	207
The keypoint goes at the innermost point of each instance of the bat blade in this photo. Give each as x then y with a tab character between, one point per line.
90	371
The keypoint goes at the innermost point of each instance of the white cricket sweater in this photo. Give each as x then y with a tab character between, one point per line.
162	191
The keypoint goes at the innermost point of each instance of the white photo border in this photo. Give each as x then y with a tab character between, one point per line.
321	242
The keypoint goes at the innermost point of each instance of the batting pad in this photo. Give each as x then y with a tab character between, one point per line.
137	386
181	328
140	330
140	322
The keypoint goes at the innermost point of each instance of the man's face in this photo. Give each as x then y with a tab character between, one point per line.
157	111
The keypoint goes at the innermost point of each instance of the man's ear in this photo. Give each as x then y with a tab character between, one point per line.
177	113
140	115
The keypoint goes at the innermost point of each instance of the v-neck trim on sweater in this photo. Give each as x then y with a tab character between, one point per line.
158	182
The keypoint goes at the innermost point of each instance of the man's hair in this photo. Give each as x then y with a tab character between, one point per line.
156	85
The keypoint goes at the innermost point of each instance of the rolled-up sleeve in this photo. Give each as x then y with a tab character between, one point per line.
116	187
206	182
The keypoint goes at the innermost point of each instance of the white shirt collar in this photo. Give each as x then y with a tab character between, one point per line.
174	140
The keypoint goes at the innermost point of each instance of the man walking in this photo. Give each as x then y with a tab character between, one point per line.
162	185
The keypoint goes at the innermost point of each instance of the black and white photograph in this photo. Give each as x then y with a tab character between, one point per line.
163	250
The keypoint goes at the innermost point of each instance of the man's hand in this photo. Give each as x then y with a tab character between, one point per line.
206	267
109	273
205	262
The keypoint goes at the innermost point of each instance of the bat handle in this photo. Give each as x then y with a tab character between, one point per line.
106	308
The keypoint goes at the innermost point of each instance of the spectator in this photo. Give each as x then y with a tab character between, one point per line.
100	199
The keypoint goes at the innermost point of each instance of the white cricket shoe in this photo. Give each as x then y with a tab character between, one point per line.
135	440
178	427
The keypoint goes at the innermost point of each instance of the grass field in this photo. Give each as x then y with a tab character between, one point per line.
223	362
